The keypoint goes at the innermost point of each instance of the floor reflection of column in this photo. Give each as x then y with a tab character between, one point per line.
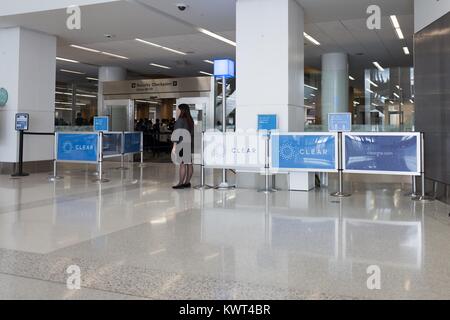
267	219
99	207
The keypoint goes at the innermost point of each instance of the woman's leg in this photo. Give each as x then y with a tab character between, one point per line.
190	172
183	174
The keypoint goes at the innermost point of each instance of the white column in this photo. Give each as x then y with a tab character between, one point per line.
270	73
335	90
28	72
108	73
270	63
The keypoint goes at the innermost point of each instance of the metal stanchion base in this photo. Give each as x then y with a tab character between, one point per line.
340	195
101	180
412	195
142	165
224	186
18	175
424	199
122	168
204	187
269	190
55	178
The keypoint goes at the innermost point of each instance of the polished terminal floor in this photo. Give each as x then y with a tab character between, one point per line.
136	238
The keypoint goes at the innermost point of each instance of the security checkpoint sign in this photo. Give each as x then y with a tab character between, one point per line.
309	152
267	122
22	121
382	153
340	122
74	147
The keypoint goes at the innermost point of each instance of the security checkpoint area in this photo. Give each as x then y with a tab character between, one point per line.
189	152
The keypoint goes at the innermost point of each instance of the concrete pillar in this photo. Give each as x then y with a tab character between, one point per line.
108	73
28	73
335	92
270	55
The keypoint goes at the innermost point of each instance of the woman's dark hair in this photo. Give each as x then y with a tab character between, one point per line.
186	114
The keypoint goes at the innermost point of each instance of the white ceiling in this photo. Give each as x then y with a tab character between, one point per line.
340	25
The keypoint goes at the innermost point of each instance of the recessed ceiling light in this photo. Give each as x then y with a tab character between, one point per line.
93	79
159	46
368	90
411	100
67	60
206	73
378	66
208	61
71	71
216	36
373	83
397	28
160	66
114	55
311	39
396	95
84	48
351	78
311	87
406	50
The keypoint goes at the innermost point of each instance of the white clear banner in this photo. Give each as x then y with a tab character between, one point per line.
234	150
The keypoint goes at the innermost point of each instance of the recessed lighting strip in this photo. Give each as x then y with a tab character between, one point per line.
159	46
71	71
397	28
160	66
67	60
216	36
205	73
378	66
311	39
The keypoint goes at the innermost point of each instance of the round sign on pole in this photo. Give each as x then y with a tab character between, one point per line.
3	97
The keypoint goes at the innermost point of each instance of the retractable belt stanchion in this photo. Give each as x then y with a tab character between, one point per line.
267	187
202	185
20	173
55	176
224	185
340	193
423	196
100	160
142	164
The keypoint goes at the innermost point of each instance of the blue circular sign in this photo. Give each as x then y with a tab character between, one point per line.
3	97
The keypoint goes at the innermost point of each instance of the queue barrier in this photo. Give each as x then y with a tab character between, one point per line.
390	153
94	147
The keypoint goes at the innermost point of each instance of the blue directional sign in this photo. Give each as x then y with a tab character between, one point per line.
77	147
340	122
267	122
101	124
22	121
378	153
132	143
304	152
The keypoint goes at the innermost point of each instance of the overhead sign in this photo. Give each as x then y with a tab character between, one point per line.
22	121
305	152
267	122
234	150
132	142
3	97
340	122
224	68
386	153
101	124
77	147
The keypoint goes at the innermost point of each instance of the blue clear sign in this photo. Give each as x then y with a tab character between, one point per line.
304	152
267	122
101	124
77	147
224	68
22	121
132	143
340	122
382	153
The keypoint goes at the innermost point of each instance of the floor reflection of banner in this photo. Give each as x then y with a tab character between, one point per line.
382	153
234	150
304	152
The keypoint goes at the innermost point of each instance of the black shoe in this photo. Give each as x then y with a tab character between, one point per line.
180	186
187	185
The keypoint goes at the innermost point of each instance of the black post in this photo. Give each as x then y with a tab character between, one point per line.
20	173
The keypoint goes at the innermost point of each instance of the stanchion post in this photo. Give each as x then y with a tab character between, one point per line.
141	165
203	185
100	160
55	176
267	187
20	173
340	193
224	185
423	196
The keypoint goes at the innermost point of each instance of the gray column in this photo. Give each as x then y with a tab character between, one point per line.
334	84
108	73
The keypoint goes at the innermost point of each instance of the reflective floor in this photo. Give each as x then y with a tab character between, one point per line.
136	238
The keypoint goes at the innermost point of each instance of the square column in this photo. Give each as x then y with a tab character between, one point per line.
28	73
270	73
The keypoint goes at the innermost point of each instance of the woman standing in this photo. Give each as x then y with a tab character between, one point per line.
184	121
